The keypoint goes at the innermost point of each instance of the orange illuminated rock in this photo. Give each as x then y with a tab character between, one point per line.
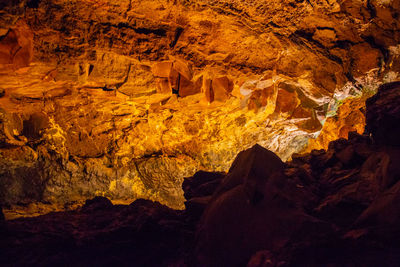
349	118
286	101
187	88
175	77
162	69
221	88
309	120
208	90
163	86
364	58
183	69
261	98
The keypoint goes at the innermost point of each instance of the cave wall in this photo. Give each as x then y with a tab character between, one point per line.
124	99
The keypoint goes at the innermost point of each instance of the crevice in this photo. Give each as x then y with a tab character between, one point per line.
158	32
178	33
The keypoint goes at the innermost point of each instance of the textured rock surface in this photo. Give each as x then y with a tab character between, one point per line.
125	99
338	207
328	208
383	115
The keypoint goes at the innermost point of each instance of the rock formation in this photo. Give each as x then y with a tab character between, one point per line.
125	99
338	207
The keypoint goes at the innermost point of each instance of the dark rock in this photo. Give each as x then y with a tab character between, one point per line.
2	92
383	115
97	203
255	208
2	218
384	211
198	190
144	233
34	125
201	184
251	168
263	258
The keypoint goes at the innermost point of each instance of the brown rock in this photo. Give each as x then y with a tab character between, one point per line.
221	87
16	48
384	211
364	58
286	101
201	184
250	211
33	127
383	115
208	90
162	69
97	203
183	69
2	218
163	86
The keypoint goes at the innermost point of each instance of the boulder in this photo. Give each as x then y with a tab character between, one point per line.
97	203
162	69
198	190
253	209
201	184
221	87
383	115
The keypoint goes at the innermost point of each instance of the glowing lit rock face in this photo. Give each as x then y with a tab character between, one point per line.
126	98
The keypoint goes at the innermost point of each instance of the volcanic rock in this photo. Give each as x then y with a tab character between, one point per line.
126	99
383	115
16	47
338	207
2	218
254	208
97	203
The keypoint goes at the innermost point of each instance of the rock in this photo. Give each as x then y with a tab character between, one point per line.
2	92
175	77
201	184
142	134
97	203
262	259
16	47
384	211
383	115
162	69
251	210
286	102
198	191
2	218
364	58
221	88
33	127
144	232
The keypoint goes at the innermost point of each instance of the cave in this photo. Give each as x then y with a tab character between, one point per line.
199	133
